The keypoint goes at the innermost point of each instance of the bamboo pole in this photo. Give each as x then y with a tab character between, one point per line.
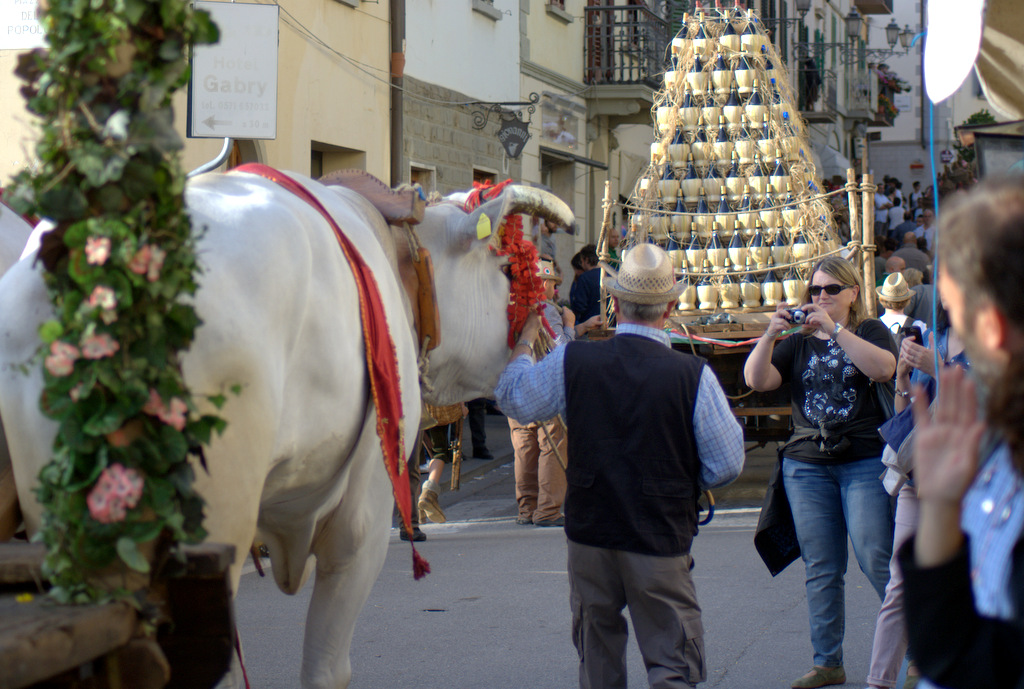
545	344
602	246
868	295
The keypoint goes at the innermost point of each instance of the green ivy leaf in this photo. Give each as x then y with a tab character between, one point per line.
63	203
50	331
105	421
129	553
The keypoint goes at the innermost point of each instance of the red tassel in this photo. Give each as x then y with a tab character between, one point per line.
420	567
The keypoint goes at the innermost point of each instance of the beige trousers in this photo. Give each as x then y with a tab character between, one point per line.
540	480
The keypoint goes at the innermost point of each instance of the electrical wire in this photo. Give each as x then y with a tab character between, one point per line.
301	28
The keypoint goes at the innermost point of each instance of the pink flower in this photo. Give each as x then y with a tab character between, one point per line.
61	360
173	415
99	346
76	392
103	297
116	491
140	261
148	261
97	250
155	264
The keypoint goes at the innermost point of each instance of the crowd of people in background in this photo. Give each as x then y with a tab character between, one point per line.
929	489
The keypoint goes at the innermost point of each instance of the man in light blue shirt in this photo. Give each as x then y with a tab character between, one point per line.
648	429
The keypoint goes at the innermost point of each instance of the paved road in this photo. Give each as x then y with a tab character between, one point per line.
494	613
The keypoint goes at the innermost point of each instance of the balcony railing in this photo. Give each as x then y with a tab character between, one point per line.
818	95
861	94
625	45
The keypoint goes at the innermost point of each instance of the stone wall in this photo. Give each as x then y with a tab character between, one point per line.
441	136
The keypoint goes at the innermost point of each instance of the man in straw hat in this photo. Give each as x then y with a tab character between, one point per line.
649	429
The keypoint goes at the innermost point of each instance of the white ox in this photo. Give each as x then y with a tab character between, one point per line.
14	232
299	466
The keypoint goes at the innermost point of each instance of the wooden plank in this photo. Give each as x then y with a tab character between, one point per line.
762	411
39	639
21	563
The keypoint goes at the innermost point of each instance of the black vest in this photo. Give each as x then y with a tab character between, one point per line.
633	466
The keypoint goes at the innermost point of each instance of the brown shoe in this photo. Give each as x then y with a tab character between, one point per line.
428	504
820	677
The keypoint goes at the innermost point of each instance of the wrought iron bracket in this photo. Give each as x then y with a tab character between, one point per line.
481	117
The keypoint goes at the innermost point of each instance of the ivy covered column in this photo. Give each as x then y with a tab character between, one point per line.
120	269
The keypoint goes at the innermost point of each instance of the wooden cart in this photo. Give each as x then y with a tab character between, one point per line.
766	416
43	644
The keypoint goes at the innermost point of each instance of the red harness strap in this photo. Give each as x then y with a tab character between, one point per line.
381	360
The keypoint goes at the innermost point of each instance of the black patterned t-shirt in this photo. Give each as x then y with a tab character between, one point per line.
836	413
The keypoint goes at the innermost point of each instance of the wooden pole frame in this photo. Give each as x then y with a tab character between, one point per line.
868	246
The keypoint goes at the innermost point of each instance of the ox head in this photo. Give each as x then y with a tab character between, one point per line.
473	290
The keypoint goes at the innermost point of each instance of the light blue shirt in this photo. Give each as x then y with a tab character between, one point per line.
992	516
531	392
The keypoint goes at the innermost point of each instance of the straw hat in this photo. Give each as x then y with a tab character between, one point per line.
895	288
646	276
546	271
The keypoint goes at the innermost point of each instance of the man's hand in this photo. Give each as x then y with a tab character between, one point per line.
946	446
568	317
916	356
531	328
592	323
945	462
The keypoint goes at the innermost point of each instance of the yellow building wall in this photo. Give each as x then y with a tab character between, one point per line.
335	99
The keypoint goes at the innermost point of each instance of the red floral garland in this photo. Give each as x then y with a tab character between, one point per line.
526	290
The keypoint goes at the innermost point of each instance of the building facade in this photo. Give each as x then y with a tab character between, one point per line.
333	99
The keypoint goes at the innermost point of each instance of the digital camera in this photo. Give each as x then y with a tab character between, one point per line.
797	316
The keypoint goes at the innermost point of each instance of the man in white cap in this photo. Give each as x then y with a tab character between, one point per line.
649	429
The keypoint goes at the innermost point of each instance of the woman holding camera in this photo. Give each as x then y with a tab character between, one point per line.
832	462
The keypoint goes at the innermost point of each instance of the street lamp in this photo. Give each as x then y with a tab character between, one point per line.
906	36
853	22
802	7
892	33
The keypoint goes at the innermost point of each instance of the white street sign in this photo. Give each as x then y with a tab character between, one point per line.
19	29
233	92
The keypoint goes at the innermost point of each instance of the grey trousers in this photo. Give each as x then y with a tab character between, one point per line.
662	603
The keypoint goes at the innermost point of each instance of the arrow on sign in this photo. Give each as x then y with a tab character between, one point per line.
211	122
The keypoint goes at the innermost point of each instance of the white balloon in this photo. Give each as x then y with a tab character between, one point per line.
951	45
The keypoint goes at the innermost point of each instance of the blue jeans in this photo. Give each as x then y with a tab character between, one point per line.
829	502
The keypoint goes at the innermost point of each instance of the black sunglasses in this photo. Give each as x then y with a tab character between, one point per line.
831	290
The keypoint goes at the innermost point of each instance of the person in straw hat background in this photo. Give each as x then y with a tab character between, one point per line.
894	295
540	479
649	429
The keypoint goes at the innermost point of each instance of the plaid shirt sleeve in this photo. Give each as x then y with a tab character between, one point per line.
529	392
719	435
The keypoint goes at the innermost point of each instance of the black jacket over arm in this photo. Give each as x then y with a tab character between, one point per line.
951	642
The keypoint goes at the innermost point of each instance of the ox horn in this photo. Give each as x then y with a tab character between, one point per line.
520	199
534	201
